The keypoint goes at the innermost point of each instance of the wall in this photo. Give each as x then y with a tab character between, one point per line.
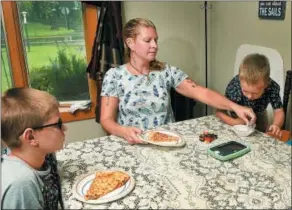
235	23
180	27
85	129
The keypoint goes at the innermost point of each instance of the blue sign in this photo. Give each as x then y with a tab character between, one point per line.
273	10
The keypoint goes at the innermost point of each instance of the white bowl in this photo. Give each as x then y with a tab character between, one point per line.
242	130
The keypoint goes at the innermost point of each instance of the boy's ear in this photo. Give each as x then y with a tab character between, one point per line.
29	137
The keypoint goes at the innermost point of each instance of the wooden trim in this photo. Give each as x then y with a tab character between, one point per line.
14	43
90	21
79	115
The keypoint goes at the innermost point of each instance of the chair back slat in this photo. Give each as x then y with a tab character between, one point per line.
287	93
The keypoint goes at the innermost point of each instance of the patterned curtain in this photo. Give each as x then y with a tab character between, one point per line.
108	48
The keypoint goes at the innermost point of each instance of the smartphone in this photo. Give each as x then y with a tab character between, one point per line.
228	150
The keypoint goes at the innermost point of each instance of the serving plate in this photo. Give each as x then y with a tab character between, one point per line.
179	143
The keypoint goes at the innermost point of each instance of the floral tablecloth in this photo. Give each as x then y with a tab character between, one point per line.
187	177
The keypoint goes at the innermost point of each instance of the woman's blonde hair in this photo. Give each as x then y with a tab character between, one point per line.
255	67
131	30
23	108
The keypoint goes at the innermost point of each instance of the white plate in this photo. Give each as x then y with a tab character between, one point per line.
81	187
181	142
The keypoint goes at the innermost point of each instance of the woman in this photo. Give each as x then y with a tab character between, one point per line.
136	95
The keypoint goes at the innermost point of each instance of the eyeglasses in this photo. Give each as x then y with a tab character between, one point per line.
59	124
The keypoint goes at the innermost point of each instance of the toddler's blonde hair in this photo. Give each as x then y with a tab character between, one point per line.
255	67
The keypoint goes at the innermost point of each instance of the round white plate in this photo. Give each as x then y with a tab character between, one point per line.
81	187
181	142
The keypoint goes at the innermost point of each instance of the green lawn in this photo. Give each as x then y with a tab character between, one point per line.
38	29
41	55
37	57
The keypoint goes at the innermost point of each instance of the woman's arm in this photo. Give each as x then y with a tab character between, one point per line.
228	119
108	116
108	110
190	89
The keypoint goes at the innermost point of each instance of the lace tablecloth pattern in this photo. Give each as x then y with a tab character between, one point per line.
186	177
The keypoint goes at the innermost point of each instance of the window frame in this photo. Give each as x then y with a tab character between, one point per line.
18	64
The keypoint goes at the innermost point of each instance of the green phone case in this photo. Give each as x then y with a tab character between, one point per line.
233	155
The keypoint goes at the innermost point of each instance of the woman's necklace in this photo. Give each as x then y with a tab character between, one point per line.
147	75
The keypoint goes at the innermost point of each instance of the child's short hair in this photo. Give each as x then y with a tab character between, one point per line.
253	68
23	108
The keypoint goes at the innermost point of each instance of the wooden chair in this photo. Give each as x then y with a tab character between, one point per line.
286	134
182	106
287	93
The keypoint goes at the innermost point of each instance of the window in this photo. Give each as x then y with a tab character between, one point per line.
6	78
50	44
55	28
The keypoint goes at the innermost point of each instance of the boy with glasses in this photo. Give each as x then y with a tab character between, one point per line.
32	129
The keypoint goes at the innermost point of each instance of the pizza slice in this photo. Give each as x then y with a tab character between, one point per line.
105	182
162	137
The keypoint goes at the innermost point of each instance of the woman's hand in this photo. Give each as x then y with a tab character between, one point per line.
130	134
245	114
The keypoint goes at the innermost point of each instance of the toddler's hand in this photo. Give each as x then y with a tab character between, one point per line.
275	130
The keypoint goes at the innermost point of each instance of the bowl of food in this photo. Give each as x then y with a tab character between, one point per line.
242	130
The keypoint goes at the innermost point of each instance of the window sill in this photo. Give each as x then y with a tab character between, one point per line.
78	115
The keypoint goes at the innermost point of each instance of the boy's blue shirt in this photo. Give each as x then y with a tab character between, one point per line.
49	183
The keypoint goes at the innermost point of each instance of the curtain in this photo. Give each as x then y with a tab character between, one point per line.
108	48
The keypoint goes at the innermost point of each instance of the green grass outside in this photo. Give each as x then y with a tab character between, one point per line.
38	29
41	55
37	57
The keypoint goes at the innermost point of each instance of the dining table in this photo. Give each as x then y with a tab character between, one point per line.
185	177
